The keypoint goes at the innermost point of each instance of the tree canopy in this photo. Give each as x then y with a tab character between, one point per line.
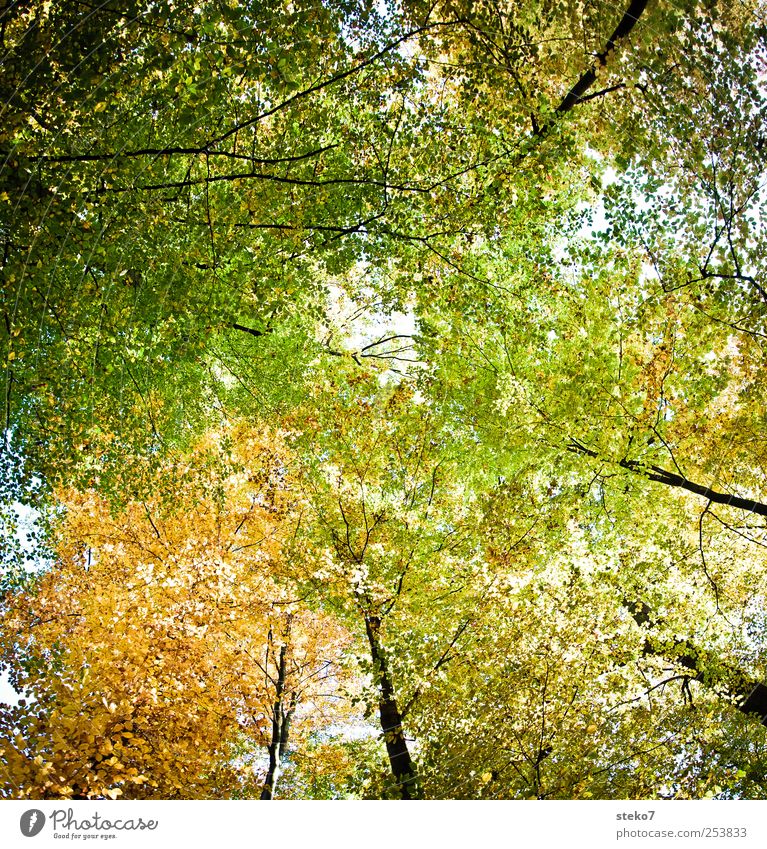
384	385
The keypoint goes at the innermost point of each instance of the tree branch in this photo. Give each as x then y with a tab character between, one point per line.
661	475
588	78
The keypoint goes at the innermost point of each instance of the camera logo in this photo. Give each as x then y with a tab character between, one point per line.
32	822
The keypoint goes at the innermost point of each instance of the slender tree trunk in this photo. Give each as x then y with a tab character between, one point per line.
280	726
402	766
273	775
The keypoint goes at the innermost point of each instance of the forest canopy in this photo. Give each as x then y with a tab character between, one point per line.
384	398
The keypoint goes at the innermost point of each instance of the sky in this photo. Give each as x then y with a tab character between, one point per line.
7	693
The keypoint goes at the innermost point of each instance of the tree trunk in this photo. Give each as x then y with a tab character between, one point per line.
402	766
280	728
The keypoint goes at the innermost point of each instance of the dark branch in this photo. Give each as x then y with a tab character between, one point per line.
749	696
187	182
661	475
250	330
184	151
588	78
342	75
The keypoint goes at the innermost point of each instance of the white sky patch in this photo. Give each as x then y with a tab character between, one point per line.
362	327
26	528
8	695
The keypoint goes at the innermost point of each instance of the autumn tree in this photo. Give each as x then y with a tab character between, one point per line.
147	652
303	665
389	524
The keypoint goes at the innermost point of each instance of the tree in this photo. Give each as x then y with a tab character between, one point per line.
128	241
147	652
309	660
388	522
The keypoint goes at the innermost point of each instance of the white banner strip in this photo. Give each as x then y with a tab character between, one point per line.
383	825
